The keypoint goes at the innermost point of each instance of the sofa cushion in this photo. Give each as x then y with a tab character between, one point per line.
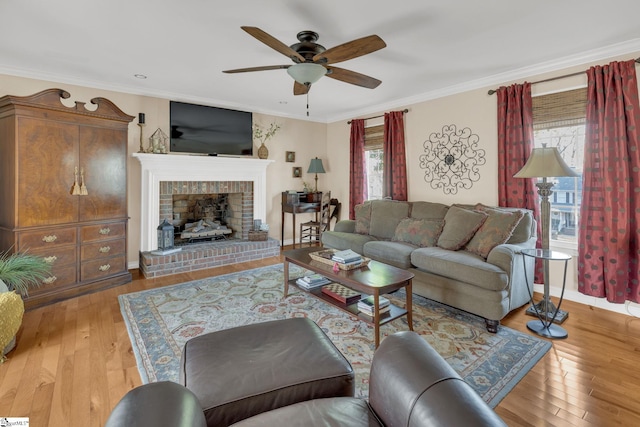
459	227
496	230
397	254
525	229
336	411
428	210
419	232
363	217
385	216
462	266
341	240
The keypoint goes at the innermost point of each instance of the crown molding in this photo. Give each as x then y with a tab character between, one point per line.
628	47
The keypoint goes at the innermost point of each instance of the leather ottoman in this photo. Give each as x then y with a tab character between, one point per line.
240	372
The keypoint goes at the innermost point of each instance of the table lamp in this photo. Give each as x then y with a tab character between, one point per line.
543	163
316	167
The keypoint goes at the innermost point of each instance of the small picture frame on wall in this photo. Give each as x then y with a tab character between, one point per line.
290	156
297	172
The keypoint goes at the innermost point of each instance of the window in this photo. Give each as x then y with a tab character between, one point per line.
559	121
373	143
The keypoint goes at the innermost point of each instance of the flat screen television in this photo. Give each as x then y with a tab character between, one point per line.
201	129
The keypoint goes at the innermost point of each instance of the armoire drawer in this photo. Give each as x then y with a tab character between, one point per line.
57	255
92	233
47	238
102	268
103	249
60	276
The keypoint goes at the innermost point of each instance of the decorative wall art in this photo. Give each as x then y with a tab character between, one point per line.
290	156
452	159
297	172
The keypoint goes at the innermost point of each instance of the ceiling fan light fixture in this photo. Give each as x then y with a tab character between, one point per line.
306	73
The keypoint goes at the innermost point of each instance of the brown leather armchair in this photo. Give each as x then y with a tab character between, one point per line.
410	385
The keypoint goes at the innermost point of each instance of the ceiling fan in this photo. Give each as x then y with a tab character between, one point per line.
312	61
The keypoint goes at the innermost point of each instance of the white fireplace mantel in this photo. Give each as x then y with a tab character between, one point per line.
175	167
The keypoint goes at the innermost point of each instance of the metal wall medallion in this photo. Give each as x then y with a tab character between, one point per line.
452	159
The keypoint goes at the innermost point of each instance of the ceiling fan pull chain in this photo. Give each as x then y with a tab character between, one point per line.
307	103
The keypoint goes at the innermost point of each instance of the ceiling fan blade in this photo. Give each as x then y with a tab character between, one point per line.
350	50
274	43
264	68
352	77
300	89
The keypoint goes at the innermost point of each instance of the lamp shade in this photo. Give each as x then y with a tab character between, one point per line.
545	162
316	166
306	73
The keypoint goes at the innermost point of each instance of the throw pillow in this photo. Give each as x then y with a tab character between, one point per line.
496	230
363	217
459	227
419	232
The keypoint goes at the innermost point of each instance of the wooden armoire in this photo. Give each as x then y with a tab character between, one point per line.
63	175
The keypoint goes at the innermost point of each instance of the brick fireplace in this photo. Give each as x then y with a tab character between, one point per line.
163	175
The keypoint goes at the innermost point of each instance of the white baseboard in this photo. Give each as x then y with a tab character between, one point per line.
630	308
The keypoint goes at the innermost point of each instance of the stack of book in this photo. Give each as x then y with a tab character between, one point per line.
312	281
347	257
365	305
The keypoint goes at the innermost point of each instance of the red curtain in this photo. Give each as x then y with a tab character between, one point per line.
395	160
609	235
358	167
515	143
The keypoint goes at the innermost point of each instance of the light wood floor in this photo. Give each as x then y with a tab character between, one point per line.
74	362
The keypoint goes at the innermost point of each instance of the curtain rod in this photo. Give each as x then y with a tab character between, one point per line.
492	91
406	110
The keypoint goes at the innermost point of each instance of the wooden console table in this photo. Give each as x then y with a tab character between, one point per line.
297	203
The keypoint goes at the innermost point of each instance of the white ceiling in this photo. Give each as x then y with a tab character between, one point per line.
434	47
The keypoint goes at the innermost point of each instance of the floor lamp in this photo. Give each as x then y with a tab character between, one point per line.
544	163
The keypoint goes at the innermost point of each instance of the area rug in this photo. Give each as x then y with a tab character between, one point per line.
160	321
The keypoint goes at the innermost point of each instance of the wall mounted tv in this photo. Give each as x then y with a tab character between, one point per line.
210	130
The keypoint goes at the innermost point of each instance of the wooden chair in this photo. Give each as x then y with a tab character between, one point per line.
312	230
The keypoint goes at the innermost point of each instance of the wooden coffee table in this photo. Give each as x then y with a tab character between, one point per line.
375	279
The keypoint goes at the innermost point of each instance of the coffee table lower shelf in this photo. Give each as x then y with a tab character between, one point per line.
394	313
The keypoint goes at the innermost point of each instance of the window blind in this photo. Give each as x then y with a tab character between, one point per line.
374	137
560	109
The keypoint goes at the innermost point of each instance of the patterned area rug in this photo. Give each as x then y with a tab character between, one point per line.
161	320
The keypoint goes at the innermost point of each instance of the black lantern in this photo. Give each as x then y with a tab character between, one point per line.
165	236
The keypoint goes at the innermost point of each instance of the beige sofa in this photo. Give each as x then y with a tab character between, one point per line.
465	256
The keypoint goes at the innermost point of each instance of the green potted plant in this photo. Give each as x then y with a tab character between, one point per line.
18	272
21	271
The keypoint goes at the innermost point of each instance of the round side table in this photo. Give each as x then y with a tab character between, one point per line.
545	310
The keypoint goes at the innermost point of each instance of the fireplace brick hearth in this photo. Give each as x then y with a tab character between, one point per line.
199	256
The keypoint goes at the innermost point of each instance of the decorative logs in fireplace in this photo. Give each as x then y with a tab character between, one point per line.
204	229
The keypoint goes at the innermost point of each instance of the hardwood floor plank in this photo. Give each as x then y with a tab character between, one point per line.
74	362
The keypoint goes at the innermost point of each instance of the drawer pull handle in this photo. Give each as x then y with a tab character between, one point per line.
50	239
104	249
105	267
49	280
50	259
104	231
